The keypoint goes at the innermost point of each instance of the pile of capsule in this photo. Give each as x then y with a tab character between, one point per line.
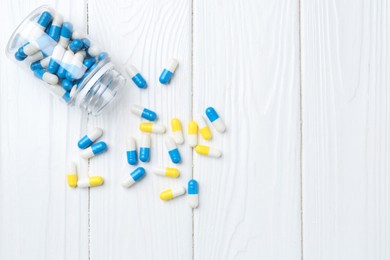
58	55
89	148
171	142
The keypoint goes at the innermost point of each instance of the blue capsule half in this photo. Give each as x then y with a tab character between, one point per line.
138	174
45	19
144	154
166	76
211	114
36	65
76	45
99	147
89	62
102	56
67	84
66	30
132	157
149	114
139	81
84	142
193	187
54	32
175	155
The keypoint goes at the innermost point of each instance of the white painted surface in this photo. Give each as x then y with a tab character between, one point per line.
251	60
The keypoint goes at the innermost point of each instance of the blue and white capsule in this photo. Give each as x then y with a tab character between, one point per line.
144	150
95	149
168	71
134	177
136	76
90	138
66	33
56	58
40	64
55	28
131	151
215	120
173	151
144	113
76	69
46	76
65	64
193	193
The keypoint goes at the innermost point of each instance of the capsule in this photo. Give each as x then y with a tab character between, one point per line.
102	56
135	76
92	181
208	151
56	58
134	177
204	128
167	172
55	28
93	150
37	56
46	76
172	150
152	128
71	175
77	35
144	150
193	193
93	51
76	70
67	84
90	138
65	64
131	151
169	194
193	133
76	45
89	62
177	132
40	64
168	71
215	120
66	33
144	112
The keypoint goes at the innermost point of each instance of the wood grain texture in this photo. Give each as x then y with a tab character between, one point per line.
345	79
41	218
246	65
134	223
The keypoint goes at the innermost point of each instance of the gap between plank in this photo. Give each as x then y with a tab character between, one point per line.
192	114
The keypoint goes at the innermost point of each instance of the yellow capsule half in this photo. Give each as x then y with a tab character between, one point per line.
146	127
172	172
192	128
95	181
176	125
202	149
206	133
72	180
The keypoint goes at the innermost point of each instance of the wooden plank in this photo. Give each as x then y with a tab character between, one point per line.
134	223
41	218
346	188
246	65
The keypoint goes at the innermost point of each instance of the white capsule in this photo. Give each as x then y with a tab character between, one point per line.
37	56
77	35
93	51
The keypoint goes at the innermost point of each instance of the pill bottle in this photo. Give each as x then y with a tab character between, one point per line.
69	64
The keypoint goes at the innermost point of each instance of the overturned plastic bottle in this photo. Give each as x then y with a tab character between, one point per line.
70	64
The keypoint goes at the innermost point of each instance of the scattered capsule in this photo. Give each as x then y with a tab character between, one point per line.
131	151
72	174
152	128
40	64
144	112
90	138
92	181
76	45
193	133
66	33
208	151
134	177
204	128
167	73
93	150
135	76
46	76
177	132
55	28
215	120
144	150
172	150
193	193
169	194
65	64
168	172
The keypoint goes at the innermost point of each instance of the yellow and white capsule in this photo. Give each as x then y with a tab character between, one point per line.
193	133
177	132
204	128
71	175
169	194
208	151
152	128
167	172
92	181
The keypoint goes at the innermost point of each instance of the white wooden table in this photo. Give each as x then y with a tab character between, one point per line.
304	88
